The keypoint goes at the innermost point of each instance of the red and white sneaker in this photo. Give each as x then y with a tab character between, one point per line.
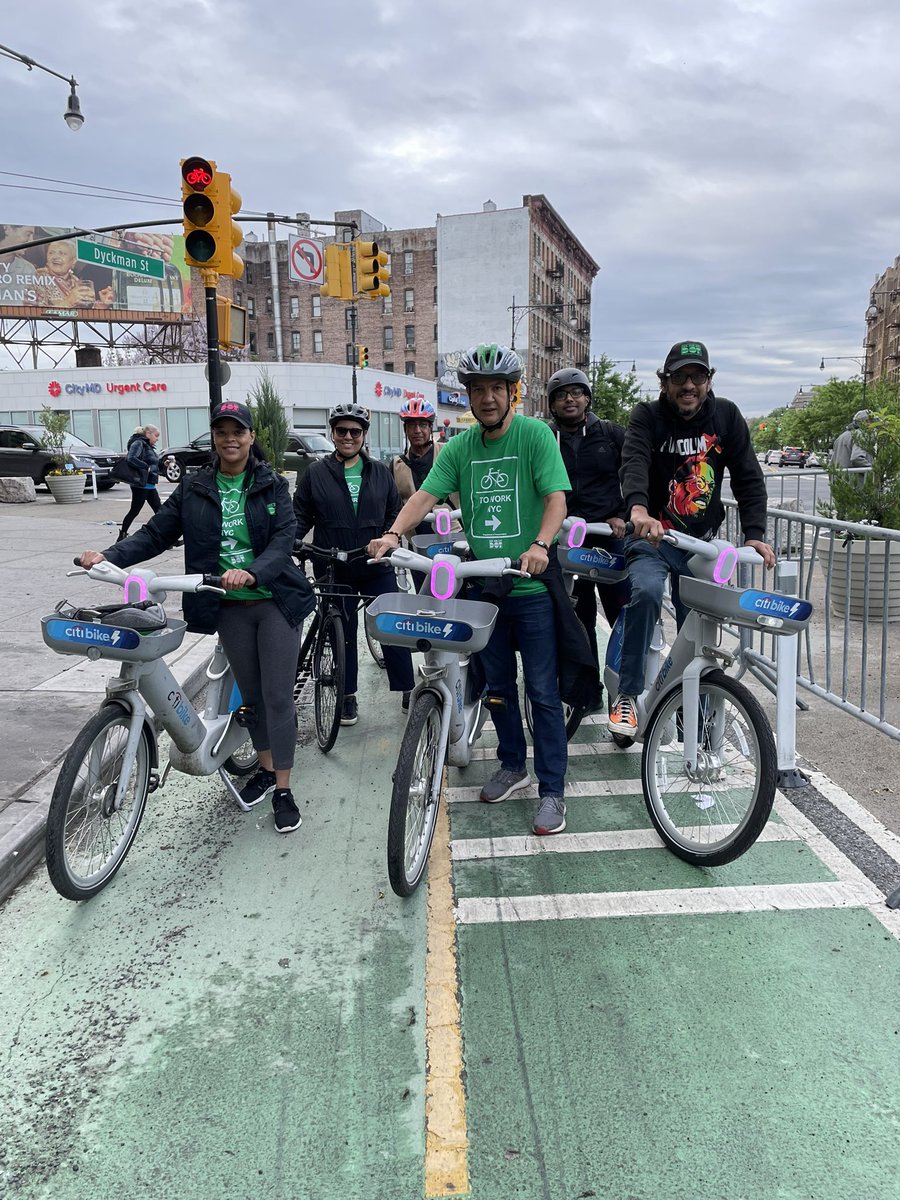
623	715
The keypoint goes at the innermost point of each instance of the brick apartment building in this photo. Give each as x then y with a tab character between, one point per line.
882	343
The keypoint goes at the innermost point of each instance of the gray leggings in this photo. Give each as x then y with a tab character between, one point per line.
262	649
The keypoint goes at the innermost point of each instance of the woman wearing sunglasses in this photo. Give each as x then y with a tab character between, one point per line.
348	499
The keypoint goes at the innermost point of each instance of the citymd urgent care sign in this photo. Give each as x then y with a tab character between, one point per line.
57	389
132	272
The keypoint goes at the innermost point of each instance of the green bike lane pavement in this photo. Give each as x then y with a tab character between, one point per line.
635	1028
246	1015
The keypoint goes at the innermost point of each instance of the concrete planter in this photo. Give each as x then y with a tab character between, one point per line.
848	577
66	489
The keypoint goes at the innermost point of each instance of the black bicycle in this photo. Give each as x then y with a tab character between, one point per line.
322	657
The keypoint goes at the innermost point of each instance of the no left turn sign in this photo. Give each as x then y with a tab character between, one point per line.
305	261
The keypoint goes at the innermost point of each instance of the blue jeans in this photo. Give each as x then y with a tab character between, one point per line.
527	622
648	567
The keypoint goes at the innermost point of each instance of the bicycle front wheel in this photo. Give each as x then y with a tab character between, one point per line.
328	672
244	760
717	813
375	649
572	717
415	796
87	837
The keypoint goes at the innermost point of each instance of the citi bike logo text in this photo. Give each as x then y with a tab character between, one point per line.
95	635
776	606
422	627
180	708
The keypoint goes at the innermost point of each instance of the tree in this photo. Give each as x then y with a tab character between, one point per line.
829	413
613	395
271	425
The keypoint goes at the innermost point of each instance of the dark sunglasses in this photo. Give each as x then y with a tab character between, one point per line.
346	432
696	375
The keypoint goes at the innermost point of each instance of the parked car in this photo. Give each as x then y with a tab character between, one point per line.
304	447
23	453
773	458
812	460
792	456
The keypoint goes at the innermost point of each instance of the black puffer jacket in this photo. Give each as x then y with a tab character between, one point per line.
674	467
194	512
322	501
142	455
593	455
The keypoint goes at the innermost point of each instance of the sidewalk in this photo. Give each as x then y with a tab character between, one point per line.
45	697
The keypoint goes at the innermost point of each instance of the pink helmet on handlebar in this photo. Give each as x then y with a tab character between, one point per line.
418	410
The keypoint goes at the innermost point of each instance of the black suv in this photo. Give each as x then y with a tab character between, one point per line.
23	453
304	447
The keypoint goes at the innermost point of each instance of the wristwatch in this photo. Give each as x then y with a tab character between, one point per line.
543	545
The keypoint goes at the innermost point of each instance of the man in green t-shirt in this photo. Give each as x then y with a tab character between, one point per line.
511	483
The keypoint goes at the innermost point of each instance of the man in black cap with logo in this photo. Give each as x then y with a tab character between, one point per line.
673	463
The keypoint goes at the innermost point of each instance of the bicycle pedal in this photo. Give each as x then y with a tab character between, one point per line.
154	783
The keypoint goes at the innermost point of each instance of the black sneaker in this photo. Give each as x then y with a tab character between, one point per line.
287	814
260	787
349	711
404	703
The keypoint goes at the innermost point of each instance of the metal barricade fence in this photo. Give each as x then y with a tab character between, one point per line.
851	574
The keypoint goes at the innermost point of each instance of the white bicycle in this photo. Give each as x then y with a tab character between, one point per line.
102	788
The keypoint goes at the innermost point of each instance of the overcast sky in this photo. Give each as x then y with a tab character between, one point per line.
731	164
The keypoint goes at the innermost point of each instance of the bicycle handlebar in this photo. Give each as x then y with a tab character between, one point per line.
107	572
710	550
484	568
452	514
601	527
308	550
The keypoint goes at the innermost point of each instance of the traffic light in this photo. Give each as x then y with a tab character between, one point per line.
362	355
208	203
372	271
338	273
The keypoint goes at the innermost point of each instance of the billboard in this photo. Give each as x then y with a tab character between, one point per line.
123	276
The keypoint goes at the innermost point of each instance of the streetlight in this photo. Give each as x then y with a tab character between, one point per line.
559	307
863	363
73	116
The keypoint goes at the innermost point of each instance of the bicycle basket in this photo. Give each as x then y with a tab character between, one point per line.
592	562
424	623
71	634
770	611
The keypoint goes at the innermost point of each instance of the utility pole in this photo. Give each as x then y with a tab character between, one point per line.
276	287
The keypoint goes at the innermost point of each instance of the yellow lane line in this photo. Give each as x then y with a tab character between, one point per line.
446	1134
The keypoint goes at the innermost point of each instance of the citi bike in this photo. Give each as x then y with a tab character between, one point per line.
708	766
112	765
447	711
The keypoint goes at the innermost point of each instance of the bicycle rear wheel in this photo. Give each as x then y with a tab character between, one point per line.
375	649
87	839
244	760
329	661
718	814
415	796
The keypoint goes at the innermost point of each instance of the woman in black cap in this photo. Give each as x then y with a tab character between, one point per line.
237	521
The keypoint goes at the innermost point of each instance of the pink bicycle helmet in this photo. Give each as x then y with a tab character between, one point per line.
418	410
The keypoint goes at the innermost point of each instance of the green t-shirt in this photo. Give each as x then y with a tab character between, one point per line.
501	483
236	552
353	478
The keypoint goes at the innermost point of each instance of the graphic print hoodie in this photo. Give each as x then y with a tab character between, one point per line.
674	466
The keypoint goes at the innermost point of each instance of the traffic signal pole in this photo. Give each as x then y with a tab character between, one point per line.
214	363
353	340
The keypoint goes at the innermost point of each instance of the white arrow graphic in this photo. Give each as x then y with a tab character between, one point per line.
494	522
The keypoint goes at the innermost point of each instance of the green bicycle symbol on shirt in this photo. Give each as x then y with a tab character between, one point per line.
494	478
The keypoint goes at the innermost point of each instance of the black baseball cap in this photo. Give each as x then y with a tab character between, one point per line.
238	412
686	354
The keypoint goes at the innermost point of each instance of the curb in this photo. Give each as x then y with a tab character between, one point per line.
22	849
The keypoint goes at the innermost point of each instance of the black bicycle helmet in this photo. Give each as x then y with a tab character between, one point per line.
567	377
349	412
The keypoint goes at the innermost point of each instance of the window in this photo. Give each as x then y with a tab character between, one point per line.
435	369
389	366
409	300
388	308
317	341
268	306
388	342
410	333
270	339
435	333
411	368
295	306
252	343
295	341
251	307
435	295
317	306
351	357
267	269
248	273
407	262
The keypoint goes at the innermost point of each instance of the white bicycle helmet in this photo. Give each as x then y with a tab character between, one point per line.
489	361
